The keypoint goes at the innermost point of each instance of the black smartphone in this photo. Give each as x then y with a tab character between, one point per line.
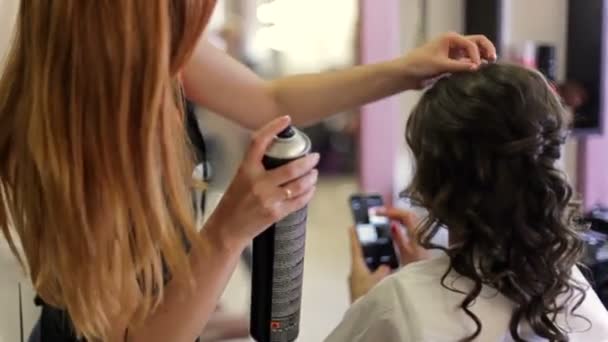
373	231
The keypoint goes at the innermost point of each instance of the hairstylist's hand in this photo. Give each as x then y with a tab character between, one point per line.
404	234
256	198
448	53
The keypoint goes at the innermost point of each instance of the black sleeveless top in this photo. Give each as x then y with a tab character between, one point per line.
55	324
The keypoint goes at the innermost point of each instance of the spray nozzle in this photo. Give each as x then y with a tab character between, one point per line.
287	133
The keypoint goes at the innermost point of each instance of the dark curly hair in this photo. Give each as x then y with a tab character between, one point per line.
485	145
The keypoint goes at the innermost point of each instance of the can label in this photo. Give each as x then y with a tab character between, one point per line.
288	269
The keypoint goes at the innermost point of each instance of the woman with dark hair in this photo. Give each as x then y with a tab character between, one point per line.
485	146
96	173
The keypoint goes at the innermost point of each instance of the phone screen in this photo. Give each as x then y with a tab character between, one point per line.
373	231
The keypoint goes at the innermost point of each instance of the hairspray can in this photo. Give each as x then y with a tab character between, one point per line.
278	257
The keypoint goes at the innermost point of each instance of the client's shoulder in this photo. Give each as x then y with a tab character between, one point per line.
430	268
398	308
381	315
410	284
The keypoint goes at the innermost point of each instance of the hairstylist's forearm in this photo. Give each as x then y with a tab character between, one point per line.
183	315
310	98
222	84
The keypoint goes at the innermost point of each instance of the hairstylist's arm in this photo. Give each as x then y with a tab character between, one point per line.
361	279
254	200
223	85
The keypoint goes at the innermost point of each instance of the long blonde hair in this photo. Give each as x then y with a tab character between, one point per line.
94	165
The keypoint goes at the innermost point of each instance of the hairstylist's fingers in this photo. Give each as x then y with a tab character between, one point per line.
293	170
487	48
459	66
465	60
270	196
275	202
299	202
457	48
470	47
264	137
301	185
356	252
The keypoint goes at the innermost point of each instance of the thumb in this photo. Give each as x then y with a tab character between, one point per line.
401	240
459	65
381	273
356	252
264	137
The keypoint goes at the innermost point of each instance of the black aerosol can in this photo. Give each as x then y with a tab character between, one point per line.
278	257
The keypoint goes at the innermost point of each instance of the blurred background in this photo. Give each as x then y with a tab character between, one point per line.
364	150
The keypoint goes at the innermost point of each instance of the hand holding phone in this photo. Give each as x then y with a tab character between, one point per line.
361	279
373	231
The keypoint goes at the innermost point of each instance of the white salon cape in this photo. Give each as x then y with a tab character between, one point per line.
412	306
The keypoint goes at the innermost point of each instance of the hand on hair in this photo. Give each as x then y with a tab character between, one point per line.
361	279
256	198
449	53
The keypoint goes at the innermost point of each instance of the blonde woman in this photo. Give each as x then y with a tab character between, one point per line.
94	170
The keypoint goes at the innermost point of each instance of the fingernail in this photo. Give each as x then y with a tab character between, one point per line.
473	67
316	157
394	228
494	57
315	172
287	117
